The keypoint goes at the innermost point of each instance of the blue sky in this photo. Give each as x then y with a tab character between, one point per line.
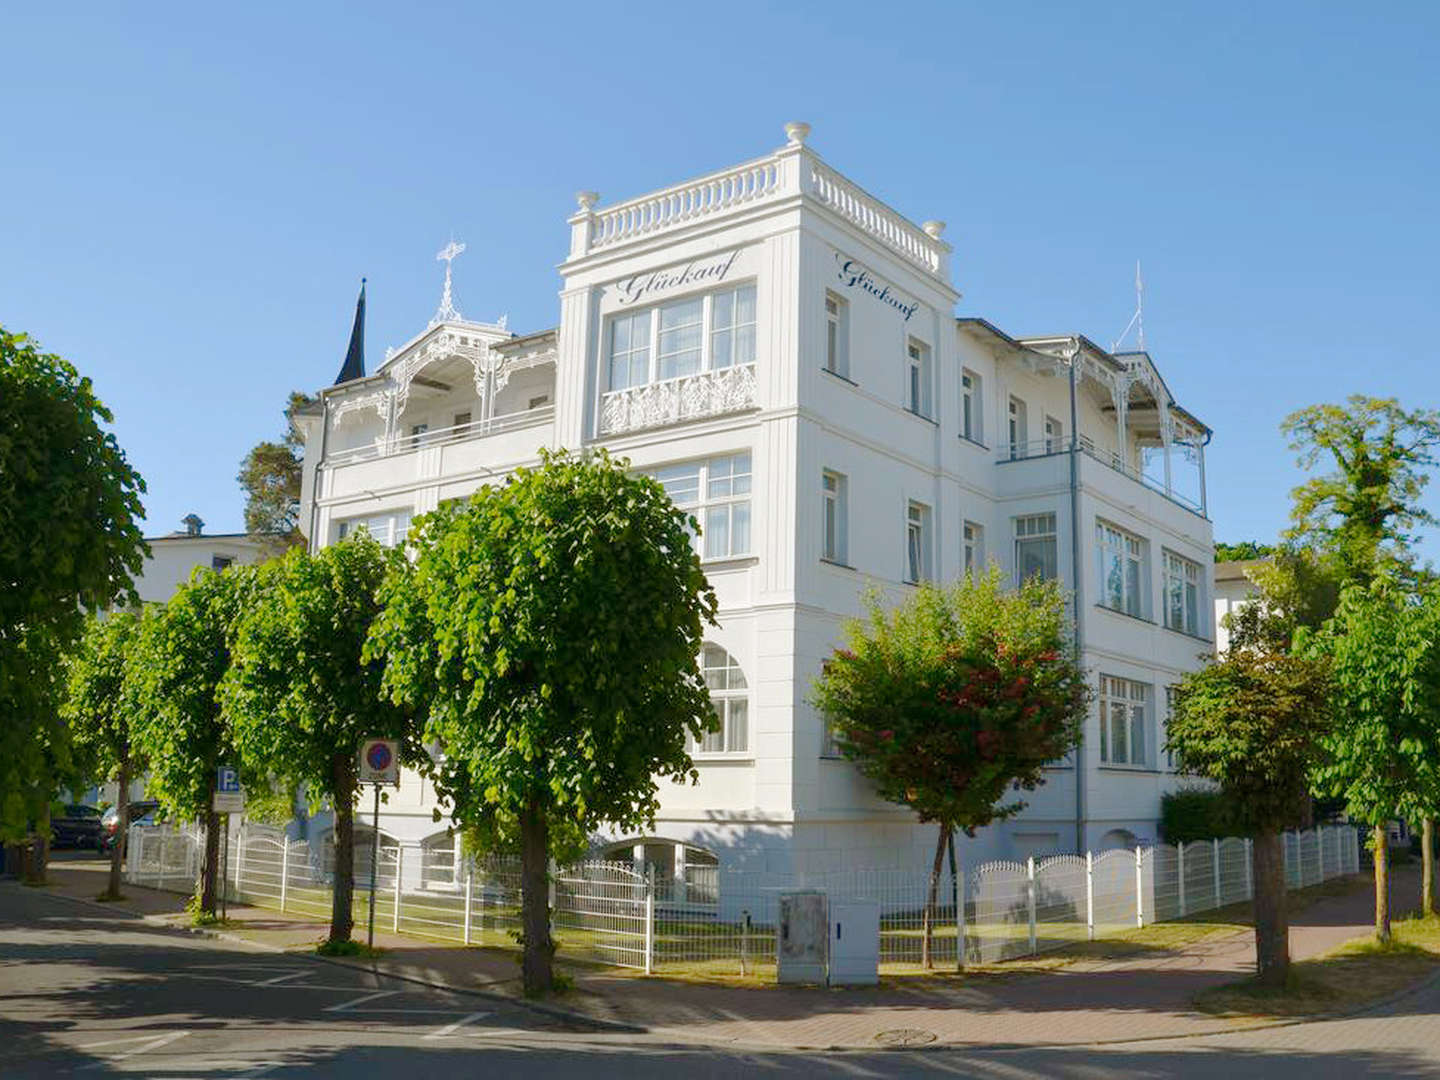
190	195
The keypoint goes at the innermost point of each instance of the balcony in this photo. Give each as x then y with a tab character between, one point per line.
689	397
1053	448
384	447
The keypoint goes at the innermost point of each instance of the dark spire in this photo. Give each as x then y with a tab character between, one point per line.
354	366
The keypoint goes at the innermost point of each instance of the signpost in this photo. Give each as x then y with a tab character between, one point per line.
229	798
380	766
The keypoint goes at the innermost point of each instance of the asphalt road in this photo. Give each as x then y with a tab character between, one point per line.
90	992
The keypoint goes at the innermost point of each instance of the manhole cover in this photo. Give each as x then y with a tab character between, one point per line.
905	1037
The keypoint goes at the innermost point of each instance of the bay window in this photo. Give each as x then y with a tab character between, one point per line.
680	338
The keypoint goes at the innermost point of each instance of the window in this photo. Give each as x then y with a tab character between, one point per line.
974	547
970	415
416	431
717	492
1054	441
917	377
389	529
837	336
221	562
1122	562
462	424
729	695
1035	549
1122	721
684	337
917	543
1182	594
536	402
832	489
1018	432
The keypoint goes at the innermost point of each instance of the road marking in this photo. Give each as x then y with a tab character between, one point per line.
345	1006
281	978
115	1042
152	1044
450	1029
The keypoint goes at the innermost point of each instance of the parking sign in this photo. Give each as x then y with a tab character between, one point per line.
380	762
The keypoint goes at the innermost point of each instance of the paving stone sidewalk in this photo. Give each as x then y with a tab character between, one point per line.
1145	995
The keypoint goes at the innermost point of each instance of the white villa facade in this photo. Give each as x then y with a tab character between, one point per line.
780	348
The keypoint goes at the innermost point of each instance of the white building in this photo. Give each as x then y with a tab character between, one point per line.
780	348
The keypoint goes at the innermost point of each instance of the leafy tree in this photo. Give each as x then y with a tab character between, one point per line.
1296	587
1253	722
70	542
1381	755
956	698
299	696
1244	550
270	477
171	689
1362	510
98	720
550	626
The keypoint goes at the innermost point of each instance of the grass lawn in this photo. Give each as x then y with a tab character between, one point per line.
1356	974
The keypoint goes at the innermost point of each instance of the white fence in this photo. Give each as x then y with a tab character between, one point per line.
724	921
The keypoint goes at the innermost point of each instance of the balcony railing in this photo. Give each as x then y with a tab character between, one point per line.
690	397
1039	448
388	446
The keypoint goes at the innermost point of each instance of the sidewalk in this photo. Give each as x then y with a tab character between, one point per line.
1145	995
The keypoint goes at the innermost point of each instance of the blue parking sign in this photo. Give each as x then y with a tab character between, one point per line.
227	779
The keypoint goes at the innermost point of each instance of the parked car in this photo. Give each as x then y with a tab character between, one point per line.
139	812
78	826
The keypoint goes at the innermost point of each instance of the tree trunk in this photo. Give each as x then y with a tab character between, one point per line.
122	832
342	794
40	851
927	940
1382	884
1427	868
535	899
210	869
1272	924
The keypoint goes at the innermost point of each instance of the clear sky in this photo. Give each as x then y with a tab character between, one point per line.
190	195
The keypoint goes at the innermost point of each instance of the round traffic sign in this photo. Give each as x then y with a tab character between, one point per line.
378	756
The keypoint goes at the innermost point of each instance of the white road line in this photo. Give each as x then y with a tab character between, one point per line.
281	978
344	1006
450	1029
153	1044
149	1035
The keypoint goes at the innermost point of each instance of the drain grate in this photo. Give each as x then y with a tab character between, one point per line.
905	1037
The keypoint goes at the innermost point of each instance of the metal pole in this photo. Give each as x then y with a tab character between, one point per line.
1215	860
284	869
1030	899
1180	873
374	862
395	921
1090	895
469	873
1140	886
650	922
224	865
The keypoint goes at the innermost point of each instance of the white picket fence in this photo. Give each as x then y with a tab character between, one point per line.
725	921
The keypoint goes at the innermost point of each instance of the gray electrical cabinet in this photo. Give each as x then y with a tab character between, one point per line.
802	937
855	943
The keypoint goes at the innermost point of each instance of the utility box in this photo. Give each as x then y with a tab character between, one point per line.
802	936
855	943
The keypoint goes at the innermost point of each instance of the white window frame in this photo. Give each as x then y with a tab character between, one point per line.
1036	529
1116	545
1124	711
834	514
723	485
1019	427
388	529
972	554
917	377
837	335
1185	579
709	331
1054	435
919	529
972	407
730	695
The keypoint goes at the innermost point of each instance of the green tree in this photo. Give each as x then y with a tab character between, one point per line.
1244	550
955	699
1362	511
70	542
1296	587
1253	722
171	690
1380	755
550	629
270	477
298	695
98	720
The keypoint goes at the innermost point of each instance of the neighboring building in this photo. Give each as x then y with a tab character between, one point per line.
779	349
1232	588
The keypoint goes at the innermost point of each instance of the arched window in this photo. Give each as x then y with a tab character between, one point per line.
730	695
683	873
1117	838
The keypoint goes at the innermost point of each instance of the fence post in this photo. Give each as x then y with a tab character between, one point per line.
650	920
1320	848
1140	885
1030	899
1180	873
135	852
1249	869
1090	896
399	861
469	892
239	864
1215	860
960	919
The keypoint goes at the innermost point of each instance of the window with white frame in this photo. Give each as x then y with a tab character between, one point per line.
917	543
917	377
1121	557
717	493
388	529
1123	721
730	698
1182	594
1018	430
669	341
1036	553
971	418
833	521
1054	436
837	335
974	547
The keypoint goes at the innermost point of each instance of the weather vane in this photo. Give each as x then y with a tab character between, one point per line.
447	312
